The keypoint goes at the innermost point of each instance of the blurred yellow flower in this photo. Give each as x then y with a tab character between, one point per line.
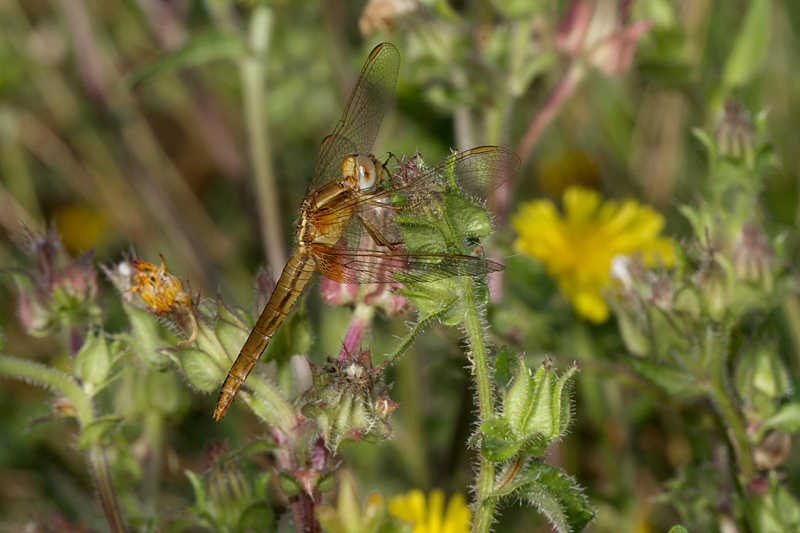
577	248
431	516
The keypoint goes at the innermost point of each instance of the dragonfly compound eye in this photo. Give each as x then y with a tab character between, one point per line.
366	172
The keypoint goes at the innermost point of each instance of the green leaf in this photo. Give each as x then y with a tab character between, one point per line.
502	368
257	517
750	46
96	430
554	493
231	336
468	219
422	236
290	485
672	380
708	141
518	402
201	369
199	488
202	48
786	419
499	442
149	336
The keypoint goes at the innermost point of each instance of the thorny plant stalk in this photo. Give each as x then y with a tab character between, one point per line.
719	392
473	324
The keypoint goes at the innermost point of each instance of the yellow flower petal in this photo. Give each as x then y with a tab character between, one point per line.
431	516
577	248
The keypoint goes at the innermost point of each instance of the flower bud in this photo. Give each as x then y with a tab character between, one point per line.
536	413
348	401
56	292
716	287
93	362
735	134
753	257
761	378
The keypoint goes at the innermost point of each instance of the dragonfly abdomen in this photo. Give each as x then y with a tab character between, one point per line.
290	286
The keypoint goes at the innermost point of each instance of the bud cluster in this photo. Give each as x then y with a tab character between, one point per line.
57	293
349	402
535	413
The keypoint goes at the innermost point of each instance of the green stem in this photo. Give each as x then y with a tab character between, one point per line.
254	89
422	321
50	378
728	410
154	435
484	506
105	488
63	384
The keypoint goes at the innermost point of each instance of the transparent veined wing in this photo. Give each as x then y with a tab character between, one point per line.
361	120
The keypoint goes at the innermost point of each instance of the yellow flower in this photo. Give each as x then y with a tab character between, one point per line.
431	516
577	248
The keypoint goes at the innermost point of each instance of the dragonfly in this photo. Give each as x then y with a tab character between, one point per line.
346	228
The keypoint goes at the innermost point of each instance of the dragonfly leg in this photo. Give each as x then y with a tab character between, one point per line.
376	235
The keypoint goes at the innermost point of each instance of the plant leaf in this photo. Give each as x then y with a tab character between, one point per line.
97	429
554	493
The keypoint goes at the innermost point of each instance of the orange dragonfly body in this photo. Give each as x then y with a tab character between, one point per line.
346	228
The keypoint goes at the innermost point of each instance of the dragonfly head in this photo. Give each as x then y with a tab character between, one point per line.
365	169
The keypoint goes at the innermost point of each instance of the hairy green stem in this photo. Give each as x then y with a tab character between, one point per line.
154	434
728	410
422	321
105	488
484	506
64	385
50	378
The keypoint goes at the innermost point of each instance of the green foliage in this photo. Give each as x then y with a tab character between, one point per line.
554	493
156	130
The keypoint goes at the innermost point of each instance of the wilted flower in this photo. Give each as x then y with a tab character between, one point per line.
431	516
735	134
163	292
753	257
578	248
217	330
56	292
349	401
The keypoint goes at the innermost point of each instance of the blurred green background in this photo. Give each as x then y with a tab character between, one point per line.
138	125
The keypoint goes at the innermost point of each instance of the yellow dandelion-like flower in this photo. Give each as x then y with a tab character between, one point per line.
577	248
431	516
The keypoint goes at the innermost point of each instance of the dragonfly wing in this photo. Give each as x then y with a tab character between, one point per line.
375	266
359	125
476	172
417	189
357	258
